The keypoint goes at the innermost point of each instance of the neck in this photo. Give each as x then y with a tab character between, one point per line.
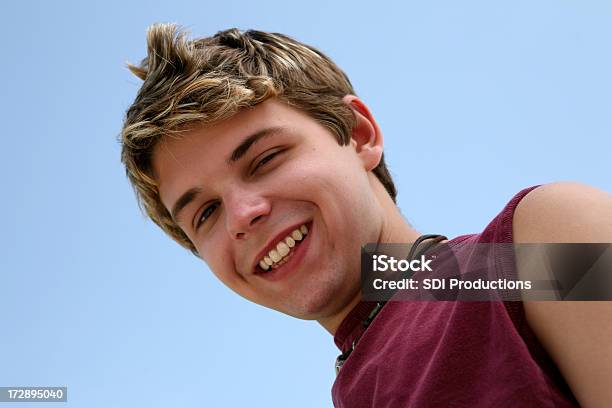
394	229
331	323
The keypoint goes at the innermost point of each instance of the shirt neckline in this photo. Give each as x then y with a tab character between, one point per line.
352	328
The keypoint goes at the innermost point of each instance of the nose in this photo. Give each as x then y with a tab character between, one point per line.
244	210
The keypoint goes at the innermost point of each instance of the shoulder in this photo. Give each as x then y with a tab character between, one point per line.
564	212
577	335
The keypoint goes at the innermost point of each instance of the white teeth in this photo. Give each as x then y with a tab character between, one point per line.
276	257
282	248
297	235
282	262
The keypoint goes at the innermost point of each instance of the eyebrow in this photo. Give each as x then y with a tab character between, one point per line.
187	197
249	141
242	149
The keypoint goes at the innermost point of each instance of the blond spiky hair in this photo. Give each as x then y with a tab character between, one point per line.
210	79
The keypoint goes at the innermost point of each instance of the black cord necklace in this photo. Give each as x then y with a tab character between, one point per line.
415	252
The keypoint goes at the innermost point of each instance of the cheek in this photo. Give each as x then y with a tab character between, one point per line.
337	174
216	255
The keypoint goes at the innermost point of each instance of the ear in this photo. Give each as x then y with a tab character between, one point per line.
366	137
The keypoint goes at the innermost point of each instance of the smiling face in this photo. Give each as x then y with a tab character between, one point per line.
241	187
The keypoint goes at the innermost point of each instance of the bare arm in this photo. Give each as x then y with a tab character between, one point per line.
577	335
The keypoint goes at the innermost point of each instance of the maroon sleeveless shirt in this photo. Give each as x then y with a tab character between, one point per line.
449	354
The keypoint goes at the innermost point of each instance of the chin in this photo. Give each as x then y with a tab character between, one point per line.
318	299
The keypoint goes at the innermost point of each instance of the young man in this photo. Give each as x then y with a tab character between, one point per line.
251	150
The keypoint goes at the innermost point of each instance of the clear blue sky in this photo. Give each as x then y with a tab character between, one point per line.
485	98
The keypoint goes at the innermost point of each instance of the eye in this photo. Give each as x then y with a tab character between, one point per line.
265	160
208	211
